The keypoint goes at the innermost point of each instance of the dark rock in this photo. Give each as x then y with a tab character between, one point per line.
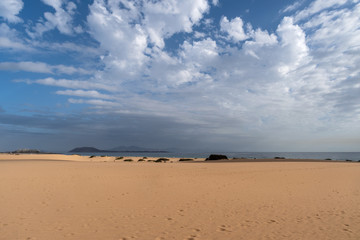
216	157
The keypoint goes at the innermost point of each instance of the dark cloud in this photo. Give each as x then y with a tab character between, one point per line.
49	132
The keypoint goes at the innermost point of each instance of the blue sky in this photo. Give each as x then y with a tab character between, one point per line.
227	75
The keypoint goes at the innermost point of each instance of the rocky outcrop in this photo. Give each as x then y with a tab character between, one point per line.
213	157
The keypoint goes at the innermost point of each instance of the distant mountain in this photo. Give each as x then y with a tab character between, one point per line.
117	149
86	149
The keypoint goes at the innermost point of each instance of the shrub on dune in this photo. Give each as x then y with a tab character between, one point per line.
185	159
162	160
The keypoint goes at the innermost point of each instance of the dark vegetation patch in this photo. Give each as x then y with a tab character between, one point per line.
162	160
185	159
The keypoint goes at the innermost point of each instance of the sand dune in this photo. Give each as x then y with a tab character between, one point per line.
86	199
79	158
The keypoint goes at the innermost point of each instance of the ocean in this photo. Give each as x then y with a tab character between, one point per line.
342	156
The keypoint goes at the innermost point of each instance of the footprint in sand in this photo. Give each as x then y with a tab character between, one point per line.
192	237
224	228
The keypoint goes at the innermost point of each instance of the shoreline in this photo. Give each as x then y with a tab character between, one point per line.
92	158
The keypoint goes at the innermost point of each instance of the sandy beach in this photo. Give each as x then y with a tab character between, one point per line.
76	197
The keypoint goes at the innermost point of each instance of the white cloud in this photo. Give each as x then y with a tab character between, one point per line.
199	51
191	66
125	42
260	38
215	2
199	34
25	66
74	84
292	7
68	47
40	67
98	103
337	56
202	68
9	44
140	30
84	93
234	28
9	39
56	4
264	38
318	6
9	9
197	60
293	40
280	74
164	18
61	19
69	69
289	83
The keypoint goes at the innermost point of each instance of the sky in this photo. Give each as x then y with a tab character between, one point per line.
222	75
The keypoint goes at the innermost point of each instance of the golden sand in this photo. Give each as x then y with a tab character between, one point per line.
82	198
